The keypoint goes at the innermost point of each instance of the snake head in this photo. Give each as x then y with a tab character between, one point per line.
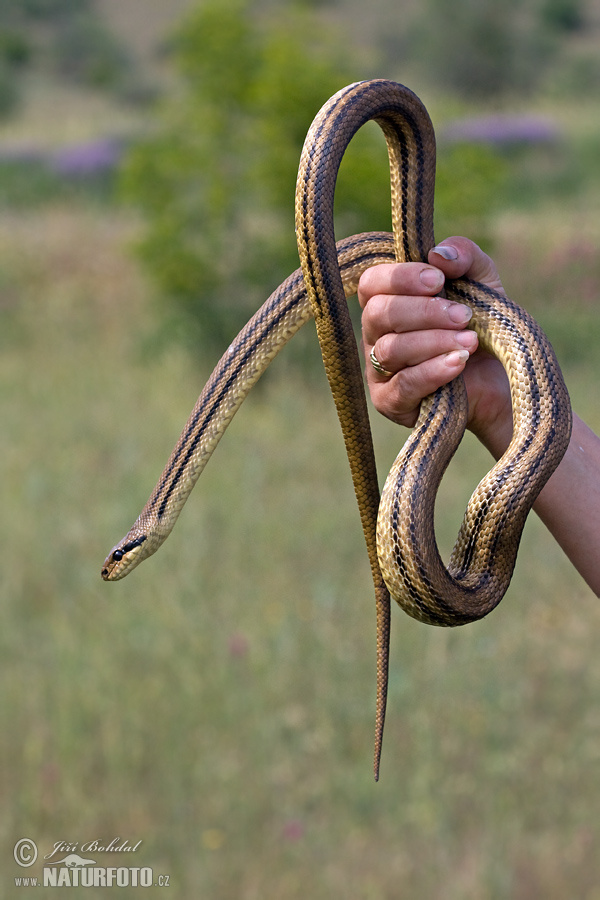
125	556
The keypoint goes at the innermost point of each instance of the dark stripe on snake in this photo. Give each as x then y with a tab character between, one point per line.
225	376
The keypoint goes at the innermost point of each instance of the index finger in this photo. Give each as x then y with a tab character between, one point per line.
408	279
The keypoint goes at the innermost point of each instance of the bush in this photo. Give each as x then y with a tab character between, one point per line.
217	180
64	37
483	49
471	183
86	52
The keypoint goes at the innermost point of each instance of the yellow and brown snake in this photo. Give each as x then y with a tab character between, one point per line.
398	530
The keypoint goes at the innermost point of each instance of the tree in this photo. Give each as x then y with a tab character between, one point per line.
216	180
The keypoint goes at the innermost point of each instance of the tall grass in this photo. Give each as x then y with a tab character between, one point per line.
218	704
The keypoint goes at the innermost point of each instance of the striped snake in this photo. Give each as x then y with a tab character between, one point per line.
399	532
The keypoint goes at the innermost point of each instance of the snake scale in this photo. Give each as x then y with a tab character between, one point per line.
398	530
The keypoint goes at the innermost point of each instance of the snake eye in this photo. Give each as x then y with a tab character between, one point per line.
127	548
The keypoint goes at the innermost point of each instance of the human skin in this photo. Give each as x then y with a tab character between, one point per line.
424	341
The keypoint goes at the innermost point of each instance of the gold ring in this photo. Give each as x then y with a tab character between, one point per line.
377	365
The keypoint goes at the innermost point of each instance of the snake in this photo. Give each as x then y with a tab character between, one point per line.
398	522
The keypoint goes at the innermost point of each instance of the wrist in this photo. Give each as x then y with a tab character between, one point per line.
496	435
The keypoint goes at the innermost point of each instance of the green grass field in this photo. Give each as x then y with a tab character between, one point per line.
218	704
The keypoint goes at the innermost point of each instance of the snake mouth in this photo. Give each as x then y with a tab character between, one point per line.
110	571
117	564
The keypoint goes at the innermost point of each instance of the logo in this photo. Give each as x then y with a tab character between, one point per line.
72	861
25	852
75	870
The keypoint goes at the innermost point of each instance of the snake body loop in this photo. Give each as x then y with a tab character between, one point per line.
399	533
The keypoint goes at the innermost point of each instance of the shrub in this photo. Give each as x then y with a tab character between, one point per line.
483	49
64	37
216	181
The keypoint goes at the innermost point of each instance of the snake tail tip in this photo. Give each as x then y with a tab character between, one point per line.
376	767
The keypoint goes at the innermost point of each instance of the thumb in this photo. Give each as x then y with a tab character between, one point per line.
458	257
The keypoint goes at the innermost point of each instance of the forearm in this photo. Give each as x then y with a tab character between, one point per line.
569	504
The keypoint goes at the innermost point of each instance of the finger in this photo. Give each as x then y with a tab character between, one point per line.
399	398
399	351
458	257
385	314
415	279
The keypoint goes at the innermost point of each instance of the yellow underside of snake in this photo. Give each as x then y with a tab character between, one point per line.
398	530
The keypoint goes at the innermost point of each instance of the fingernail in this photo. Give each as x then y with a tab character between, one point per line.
456	358
432	278
467	339
458	313
445	251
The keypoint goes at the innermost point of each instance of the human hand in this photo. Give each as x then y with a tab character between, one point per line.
424	340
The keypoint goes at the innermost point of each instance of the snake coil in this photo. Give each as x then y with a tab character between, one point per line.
398	530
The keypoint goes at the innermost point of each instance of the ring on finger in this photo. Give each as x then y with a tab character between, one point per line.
381	370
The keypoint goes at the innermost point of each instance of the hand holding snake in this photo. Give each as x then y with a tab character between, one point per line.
419	336
398	532
424	340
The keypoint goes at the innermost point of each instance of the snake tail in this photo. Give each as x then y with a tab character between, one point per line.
398	526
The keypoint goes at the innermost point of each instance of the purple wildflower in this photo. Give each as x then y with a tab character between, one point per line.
238	646
86	160
503	129
293	830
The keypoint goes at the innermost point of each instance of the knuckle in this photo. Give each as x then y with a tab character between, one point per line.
365	280
386	401
410	387
369	284
374	317
387	348
394	403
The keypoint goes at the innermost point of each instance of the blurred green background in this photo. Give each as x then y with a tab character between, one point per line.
218	704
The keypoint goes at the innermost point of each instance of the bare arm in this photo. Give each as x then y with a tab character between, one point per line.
569	505
423	340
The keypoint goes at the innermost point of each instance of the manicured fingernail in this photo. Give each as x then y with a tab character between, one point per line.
456	358
458	313
445	251
432	278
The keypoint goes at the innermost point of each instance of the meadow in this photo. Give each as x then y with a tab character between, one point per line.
218	704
